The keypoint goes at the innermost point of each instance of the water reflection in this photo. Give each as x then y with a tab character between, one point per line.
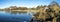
15	16
16	12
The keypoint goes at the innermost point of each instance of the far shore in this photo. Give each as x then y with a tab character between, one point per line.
27	10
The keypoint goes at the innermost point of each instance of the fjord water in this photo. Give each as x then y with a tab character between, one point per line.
15	16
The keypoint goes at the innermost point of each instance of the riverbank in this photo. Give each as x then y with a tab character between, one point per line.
27	10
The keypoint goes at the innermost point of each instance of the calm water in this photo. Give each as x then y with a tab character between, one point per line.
15	16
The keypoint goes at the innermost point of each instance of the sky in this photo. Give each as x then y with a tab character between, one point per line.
25	3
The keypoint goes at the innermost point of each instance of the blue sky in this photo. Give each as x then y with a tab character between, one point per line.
25	3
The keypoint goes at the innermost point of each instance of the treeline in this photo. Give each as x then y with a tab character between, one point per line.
37	8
